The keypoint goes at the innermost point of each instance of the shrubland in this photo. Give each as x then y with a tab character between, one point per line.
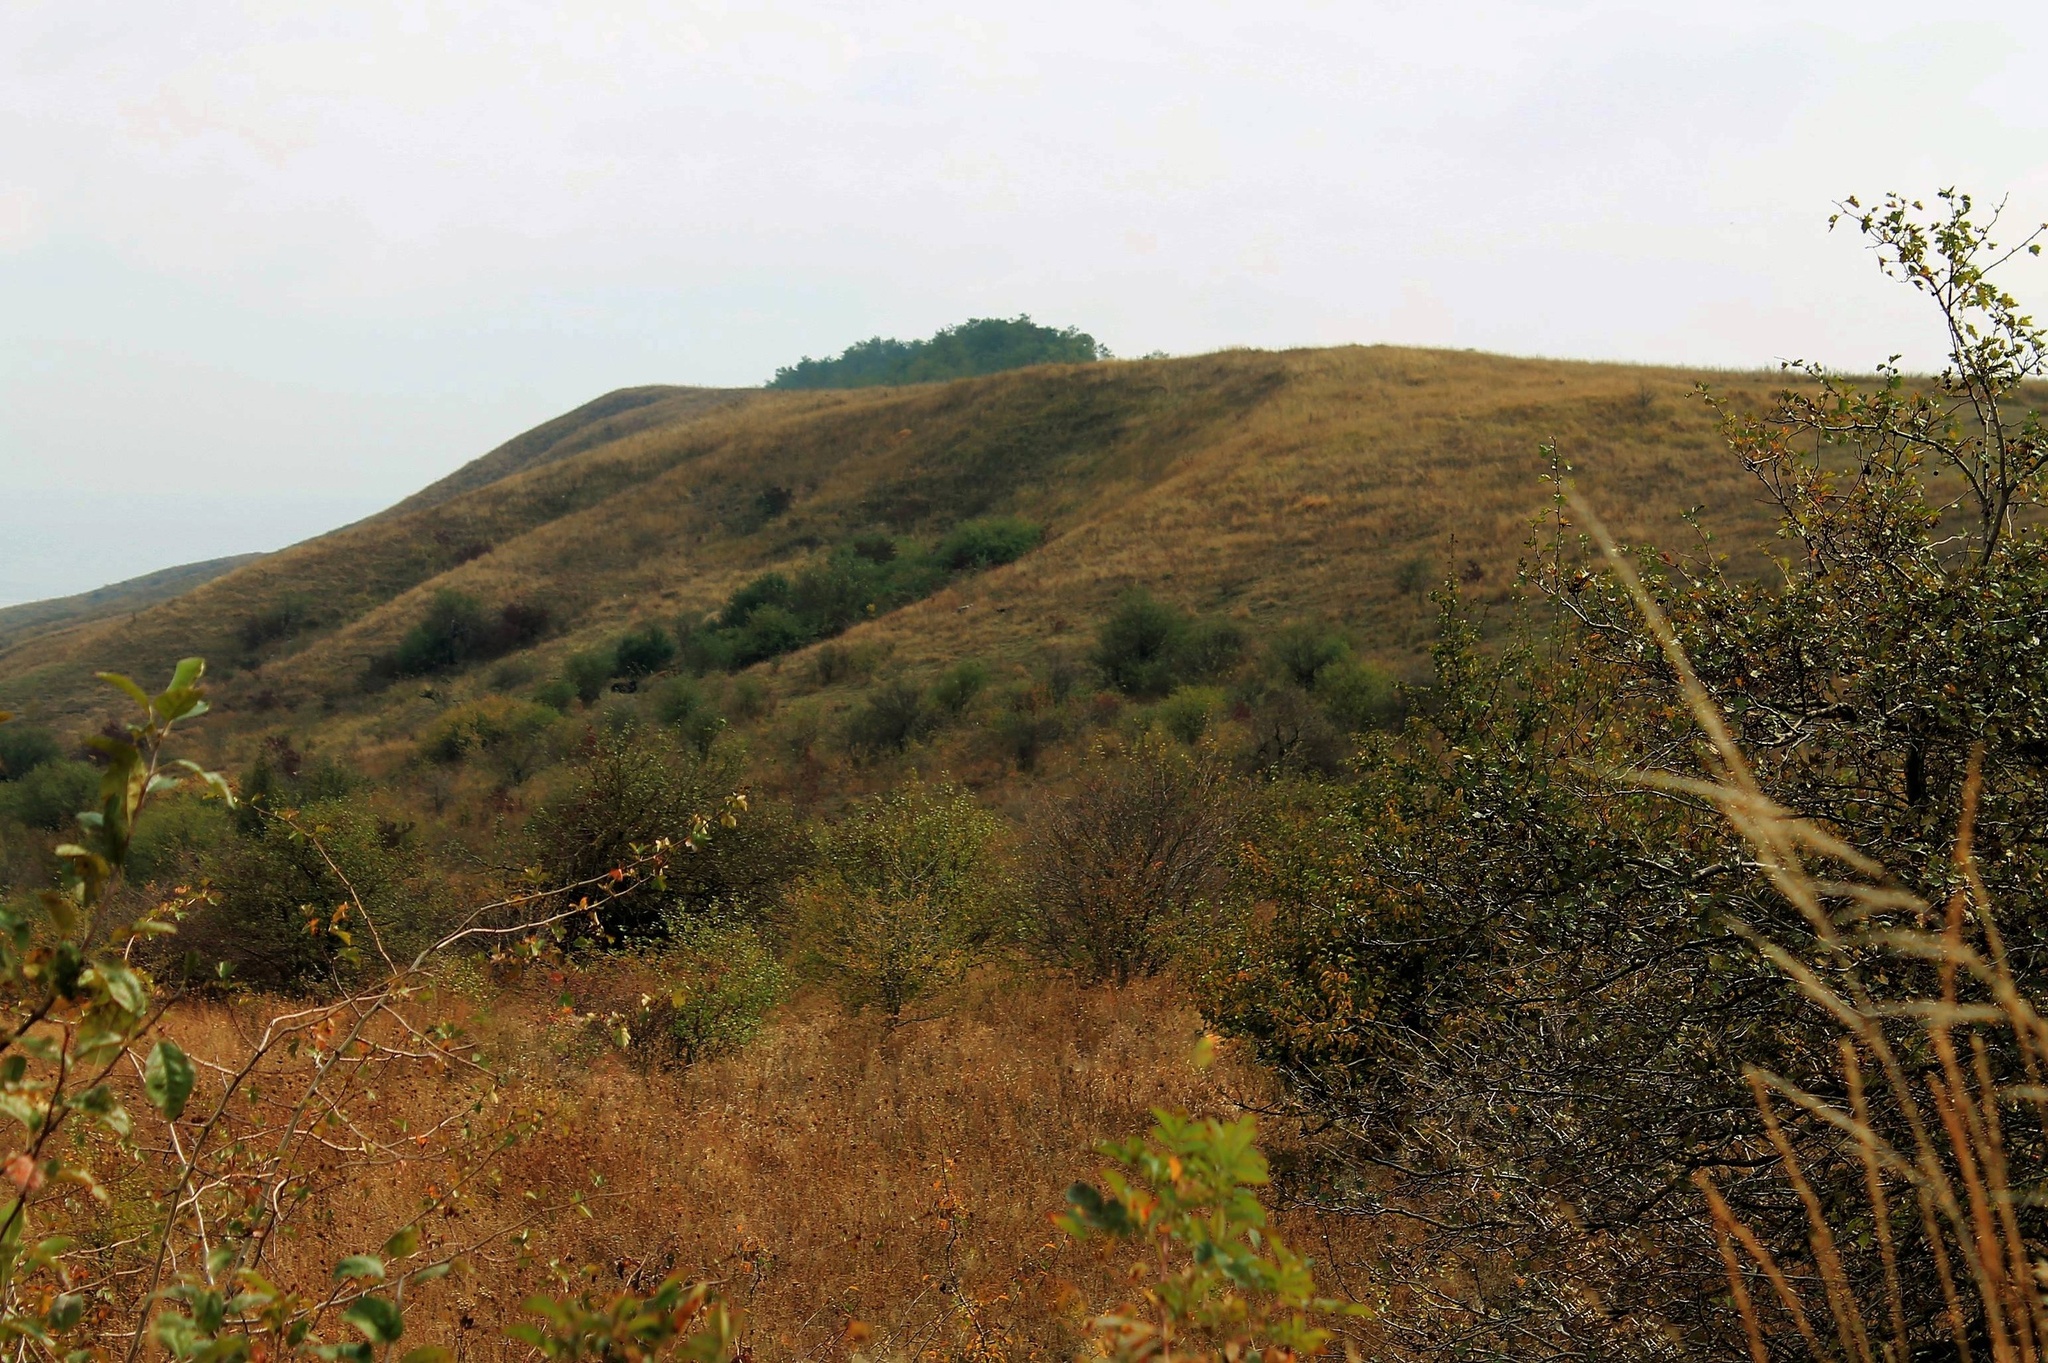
1647	969
984	345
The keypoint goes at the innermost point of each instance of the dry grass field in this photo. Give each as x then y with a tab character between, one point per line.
832	1172
1263	486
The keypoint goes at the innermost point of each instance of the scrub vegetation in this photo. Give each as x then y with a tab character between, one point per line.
1245	857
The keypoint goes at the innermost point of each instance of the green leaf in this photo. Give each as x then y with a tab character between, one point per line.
125	988
21	1110
99	1101
377	1318
62	909
134	692
431	1272
167	1078
215	782
188	673
360	1266
403	1243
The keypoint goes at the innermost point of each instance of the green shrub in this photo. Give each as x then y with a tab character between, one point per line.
1412	577
987	543
557	694
1212	649
24	747
770	632
451	633
588	673
643	652
1303	649
479	725
282	917
291	613
680	704
892	718
907	892
457	631
717	985
635	789
874	548
1030	721
747	699
769	589
835	663
1188	712
282	776
172	837
1138	646
858	580
1358	696
957	689
1290	735
50	795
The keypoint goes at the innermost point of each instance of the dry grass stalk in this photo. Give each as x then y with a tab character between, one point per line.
1956	1156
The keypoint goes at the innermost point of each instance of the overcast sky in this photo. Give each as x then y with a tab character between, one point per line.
267	267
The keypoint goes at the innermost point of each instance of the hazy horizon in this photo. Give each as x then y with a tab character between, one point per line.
267	273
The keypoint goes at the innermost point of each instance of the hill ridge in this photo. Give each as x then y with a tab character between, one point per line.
1255	483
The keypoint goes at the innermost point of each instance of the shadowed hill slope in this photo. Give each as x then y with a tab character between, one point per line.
1260	485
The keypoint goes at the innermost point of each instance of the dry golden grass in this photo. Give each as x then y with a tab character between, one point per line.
833	1171
1261	485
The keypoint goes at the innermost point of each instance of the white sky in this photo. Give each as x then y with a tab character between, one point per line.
266	267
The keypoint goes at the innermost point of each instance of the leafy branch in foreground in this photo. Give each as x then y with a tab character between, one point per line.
1213	1282
236	1158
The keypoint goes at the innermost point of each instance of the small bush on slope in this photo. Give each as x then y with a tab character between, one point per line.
1118	864
907	891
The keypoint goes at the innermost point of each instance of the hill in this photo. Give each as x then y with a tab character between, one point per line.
30	618
1264	487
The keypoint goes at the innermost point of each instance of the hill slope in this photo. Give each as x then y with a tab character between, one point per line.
1261	485
31	618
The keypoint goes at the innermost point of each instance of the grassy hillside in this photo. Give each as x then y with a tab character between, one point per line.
118	598
1254	485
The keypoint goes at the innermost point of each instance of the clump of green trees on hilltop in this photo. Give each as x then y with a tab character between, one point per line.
982	345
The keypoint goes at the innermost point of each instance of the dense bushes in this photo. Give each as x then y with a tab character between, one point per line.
49	794
984	345
456	632
24	747
489	724
776	614
1147	647
284	909
1486	911
635	789
643	652
1118	864
717	983
290	614
987	543
907	890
